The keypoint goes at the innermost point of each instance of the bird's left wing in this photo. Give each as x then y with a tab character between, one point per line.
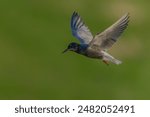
108	37
80	30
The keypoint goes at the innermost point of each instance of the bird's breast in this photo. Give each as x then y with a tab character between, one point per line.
92	53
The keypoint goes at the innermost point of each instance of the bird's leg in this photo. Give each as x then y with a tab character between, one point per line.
106	62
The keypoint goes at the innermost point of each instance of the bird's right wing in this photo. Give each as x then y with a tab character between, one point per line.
108	37
80	30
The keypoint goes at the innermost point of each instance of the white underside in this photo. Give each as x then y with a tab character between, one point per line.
108	57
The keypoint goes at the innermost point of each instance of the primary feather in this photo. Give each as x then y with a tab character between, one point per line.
80	30
108	37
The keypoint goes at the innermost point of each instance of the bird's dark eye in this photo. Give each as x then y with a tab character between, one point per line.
72	45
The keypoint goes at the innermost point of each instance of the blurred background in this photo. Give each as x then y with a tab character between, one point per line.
33	34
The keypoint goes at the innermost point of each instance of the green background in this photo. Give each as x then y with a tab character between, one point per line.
33	34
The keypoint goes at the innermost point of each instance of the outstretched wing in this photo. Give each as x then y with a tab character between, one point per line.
108	37
80	30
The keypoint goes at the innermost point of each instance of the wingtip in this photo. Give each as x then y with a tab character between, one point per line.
75	13
127	15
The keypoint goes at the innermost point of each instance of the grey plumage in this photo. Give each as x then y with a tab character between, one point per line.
95	47
108	37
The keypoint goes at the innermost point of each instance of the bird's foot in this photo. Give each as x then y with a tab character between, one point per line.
106	62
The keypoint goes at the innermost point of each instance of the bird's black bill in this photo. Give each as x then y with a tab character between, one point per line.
65	50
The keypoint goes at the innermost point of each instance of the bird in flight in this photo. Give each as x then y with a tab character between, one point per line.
96	46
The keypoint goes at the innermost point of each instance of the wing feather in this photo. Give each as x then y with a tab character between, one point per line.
80	30
108	37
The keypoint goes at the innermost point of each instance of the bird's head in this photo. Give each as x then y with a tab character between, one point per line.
72	47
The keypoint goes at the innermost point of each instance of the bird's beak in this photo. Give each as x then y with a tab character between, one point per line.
65	50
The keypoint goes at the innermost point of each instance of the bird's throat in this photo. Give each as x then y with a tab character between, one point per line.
81	49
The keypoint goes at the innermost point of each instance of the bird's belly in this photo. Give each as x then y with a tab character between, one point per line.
93	54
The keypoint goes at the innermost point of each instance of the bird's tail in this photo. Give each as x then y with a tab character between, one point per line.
107	57
115	61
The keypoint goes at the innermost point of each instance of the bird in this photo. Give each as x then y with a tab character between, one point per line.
96	46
